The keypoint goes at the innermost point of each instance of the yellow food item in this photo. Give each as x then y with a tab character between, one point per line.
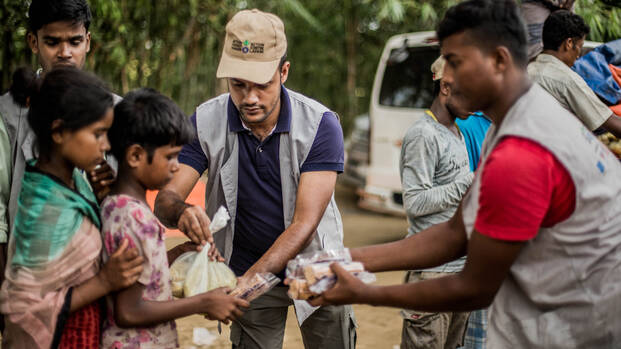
615	147
612	142
298	289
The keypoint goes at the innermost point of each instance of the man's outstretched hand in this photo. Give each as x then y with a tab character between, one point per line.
347	290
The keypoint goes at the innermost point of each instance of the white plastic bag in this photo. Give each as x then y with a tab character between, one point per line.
193	273
219	220
178	271
205	275
201	336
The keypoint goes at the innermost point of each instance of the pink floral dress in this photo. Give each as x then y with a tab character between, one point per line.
126	217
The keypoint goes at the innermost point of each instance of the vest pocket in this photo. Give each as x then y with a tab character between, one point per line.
557	329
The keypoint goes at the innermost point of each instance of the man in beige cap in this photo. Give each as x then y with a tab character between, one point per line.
435	174
272	157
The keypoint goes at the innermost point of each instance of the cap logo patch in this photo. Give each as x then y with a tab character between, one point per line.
247	46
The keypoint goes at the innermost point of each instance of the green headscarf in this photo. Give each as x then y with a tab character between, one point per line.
48	215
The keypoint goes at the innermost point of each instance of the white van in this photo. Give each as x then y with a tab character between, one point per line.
402	91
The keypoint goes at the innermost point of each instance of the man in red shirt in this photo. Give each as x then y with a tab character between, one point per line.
541	223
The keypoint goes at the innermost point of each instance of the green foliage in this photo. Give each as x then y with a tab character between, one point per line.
603	16
12	38
175	45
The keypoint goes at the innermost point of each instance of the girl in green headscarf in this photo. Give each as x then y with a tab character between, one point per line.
53	276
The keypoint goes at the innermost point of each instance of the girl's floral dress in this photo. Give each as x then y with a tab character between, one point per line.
125	217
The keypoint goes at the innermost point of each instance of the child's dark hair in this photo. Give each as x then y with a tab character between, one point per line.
560	26
42	12
491	23
23	85
75	97
149	119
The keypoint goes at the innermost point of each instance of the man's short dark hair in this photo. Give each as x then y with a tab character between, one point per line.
42	12
560	26
283	59
491	23
149	119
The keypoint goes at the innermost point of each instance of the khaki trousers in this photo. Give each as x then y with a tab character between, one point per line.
263	325
422	330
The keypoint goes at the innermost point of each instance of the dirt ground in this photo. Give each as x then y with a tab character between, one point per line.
378	327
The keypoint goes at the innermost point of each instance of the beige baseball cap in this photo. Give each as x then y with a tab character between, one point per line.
255	43
437	68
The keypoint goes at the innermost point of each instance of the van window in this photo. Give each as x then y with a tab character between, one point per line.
407	81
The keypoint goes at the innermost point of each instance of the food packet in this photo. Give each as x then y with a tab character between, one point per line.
298	289
310	273
257	285
295	267
329	281
193	273
317	271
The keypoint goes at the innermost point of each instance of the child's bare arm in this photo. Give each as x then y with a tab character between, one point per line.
178	250
189	246
122	269
132	311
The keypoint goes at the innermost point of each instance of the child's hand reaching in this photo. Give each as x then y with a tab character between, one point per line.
122	269
219	305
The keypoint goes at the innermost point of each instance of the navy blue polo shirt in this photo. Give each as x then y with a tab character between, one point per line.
260	219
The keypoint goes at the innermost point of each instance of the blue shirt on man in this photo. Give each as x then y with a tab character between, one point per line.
474	129
259	220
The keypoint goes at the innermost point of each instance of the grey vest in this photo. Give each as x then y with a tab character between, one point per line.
564	288
221	148
21	138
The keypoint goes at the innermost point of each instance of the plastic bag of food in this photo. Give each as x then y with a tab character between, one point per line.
179	270
310	274
256	286
193	273
329	281
205	275
295	267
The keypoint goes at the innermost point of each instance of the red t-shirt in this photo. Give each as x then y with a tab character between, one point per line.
523	188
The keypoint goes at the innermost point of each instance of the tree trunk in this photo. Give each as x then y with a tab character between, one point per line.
351	39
